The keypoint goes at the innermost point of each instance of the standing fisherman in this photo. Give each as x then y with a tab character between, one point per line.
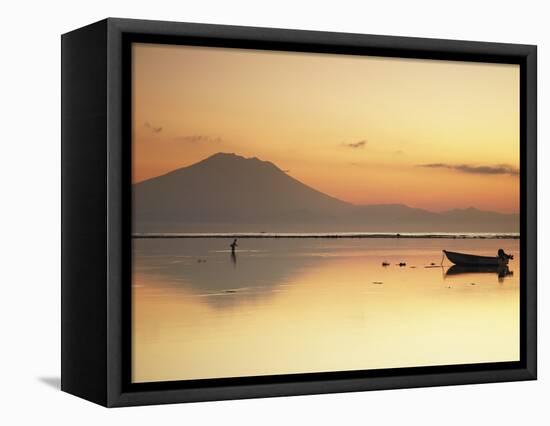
233	246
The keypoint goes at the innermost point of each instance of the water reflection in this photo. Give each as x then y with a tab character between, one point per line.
291	306
208	270
502	271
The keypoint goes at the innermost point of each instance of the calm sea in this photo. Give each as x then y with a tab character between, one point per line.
295	305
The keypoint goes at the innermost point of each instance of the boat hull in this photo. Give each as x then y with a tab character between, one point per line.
463	259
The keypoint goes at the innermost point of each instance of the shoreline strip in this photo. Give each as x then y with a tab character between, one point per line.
328	235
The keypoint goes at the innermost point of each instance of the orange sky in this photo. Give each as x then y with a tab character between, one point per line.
363	129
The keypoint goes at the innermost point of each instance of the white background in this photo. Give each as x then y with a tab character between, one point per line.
30	211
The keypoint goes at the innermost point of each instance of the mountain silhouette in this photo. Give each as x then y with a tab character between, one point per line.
230	193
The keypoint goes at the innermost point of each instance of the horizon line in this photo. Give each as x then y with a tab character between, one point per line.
434	235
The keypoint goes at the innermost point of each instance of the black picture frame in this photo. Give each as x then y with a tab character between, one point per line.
96	212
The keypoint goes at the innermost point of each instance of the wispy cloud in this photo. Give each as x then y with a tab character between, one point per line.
355	145
152	128
498	169
198	139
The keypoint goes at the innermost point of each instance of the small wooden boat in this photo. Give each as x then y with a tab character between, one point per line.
463	259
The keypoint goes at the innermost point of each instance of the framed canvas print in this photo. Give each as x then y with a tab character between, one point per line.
251	212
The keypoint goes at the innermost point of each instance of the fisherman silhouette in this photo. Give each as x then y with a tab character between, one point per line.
503	255
233	246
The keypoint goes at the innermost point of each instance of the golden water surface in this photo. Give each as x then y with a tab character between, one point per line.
284	306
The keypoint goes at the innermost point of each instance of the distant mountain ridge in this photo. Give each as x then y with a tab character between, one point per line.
230	193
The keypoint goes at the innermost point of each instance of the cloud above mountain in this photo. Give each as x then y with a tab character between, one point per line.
195	139
355	145
499	169
152	128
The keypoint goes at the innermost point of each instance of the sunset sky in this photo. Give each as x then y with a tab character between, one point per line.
431	134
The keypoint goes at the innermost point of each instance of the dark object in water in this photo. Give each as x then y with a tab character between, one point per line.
377	282
502	270
402	264
385	264
503	255
432	264
230	291
463	259
233	245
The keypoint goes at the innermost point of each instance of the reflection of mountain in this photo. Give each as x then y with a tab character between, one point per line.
229	193
212	275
